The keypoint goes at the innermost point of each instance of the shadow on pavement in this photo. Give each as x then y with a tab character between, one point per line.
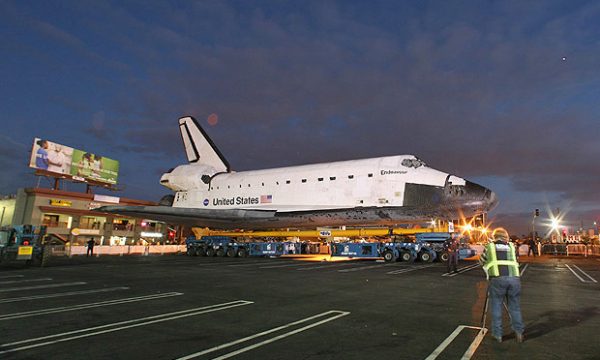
550	321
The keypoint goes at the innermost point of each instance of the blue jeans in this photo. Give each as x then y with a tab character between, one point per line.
508	287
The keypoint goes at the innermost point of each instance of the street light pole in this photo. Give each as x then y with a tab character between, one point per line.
536	213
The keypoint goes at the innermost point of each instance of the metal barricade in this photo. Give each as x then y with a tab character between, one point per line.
554	249
577	249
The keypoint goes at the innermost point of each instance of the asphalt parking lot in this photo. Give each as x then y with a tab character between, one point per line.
178	307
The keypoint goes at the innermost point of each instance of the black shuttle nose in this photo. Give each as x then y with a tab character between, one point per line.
478	195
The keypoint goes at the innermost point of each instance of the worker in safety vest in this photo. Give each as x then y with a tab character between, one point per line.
451	247
499	261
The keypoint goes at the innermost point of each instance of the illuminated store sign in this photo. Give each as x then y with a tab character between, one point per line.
151	234
78	231
56	202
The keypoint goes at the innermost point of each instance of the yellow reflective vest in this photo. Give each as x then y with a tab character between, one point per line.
500	259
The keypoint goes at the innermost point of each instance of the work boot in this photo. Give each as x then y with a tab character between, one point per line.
519	337
497	338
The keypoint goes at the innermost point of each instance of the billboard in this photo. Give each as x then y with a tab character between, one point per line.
78	164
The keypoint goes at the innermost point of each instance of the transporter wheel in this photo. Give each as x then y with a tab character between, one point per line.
201	251
221	252
210	252
388	256
242	252
444	256
191	251
231	252
425	256
406	256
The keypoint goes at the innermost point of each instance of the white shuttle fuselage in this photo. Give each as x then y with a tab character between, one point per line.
376	182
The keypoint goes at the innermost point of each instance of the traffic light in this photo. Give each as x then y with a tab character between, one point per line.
537	212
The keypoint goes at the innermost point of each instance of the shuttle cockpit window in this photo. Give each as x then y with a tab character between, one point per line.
414	163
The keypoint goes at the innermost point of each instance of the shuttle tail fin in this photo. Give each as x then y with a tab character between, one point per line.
199	148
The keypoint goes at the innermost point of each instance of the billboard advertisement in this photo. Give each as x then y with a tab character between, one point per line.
78	164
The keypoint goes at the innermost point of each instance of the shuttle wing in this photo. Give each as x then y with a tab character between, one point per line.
270	219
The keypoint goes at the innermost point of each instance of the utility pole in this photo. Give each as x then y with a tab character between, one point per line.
558	232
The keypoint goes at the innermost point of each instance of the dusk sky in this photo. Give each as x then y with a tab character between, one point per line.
503	93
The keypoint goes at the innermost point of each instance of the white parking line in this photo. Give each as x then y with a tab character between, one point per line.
43	286
367	267
462	270
11	276
523	269
586	274
254	263
117	326
338	315
86	306
220	263
470	351
574	273
402	271
24	281
70	293
330	265
286	265
583	272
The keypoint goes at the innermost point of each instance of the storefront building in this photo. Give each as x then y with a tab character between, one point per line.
71	217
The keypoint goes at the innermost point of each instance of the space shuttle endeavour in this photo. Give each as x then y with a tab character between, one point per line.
380	191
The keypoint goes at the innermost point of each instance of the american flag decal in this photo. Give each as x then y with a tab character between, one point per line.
266	199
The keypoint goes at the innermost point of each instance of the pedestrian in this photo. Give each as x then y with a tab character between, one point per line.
500	264
532	247
451	246
90	247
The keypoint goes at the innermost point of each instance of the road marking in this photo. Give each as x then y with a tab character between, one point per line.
586	274
273	339
360	268
23	281
474	345
523	269
574	273
470	351
402	271
462	270
286	265
254	263
44	286
86	306
583	272
11	276
209	264
70	293
117	326
330	265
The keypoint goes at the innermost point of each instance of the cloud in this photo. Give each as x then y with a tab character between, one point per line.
478	91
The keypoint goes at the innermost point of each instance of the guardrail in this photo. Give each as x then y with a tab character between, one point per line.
555	249
119	250
571	249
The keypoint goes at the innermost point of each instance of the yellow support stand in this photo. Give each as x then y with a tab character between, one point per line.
200	232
